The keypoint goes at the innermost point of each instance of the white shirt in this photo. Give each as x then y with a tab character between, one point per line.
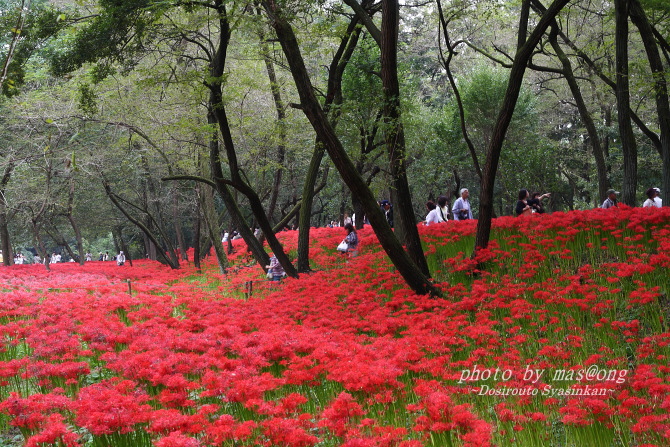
650	203
659	202
433	217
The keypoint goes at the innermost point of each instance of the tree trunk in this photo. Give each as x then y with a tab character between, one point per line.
217	69
639	18
73	222
403	212
517	71
206	201
628	144
229	201
6	245
196	233
333	97
587	119
414	277
7	255
39	245
281	122
177	225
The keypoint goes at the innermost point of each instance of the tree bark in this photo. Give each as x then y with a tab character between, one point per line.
517	71
176	222
73	221
395	135
639	18
414	277
628	144
6	245
206	201
196	235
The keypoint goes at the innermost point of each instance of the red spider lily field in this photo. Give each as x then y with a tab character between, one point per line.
557	335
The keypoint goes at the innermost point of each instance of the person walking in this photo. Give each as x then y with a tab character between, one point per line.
610	201
461	209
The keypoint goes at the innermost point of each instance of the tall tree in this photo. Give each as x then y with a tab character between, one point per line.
659	73
395	135
521	58
628	143
412	274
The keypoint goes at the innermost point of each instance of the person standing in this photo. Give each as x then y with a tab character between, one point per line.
387	207
461	208
433	214
120	258
651	199
657	199
443	208
535	202
522	206
610	201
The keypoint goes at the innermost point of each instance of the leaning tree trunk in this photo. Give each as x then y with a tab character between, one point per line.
517	71
414	277
640	20
218	109
587	119
229	201
628	144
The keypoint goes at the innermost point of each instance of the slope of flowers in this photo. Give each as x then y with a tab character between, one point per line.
555	335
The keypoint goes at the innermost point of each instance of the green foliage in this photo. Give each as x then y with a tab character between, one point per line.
87	100
116	35
40	22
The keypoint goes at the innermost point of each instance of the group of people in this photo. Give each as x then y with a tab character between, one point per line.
461	209
530	203
653	199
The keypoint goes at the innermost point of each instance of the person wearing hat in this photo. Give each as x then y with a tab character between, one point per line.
657	199
651	199
461	209
610	201
387	208
120	258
